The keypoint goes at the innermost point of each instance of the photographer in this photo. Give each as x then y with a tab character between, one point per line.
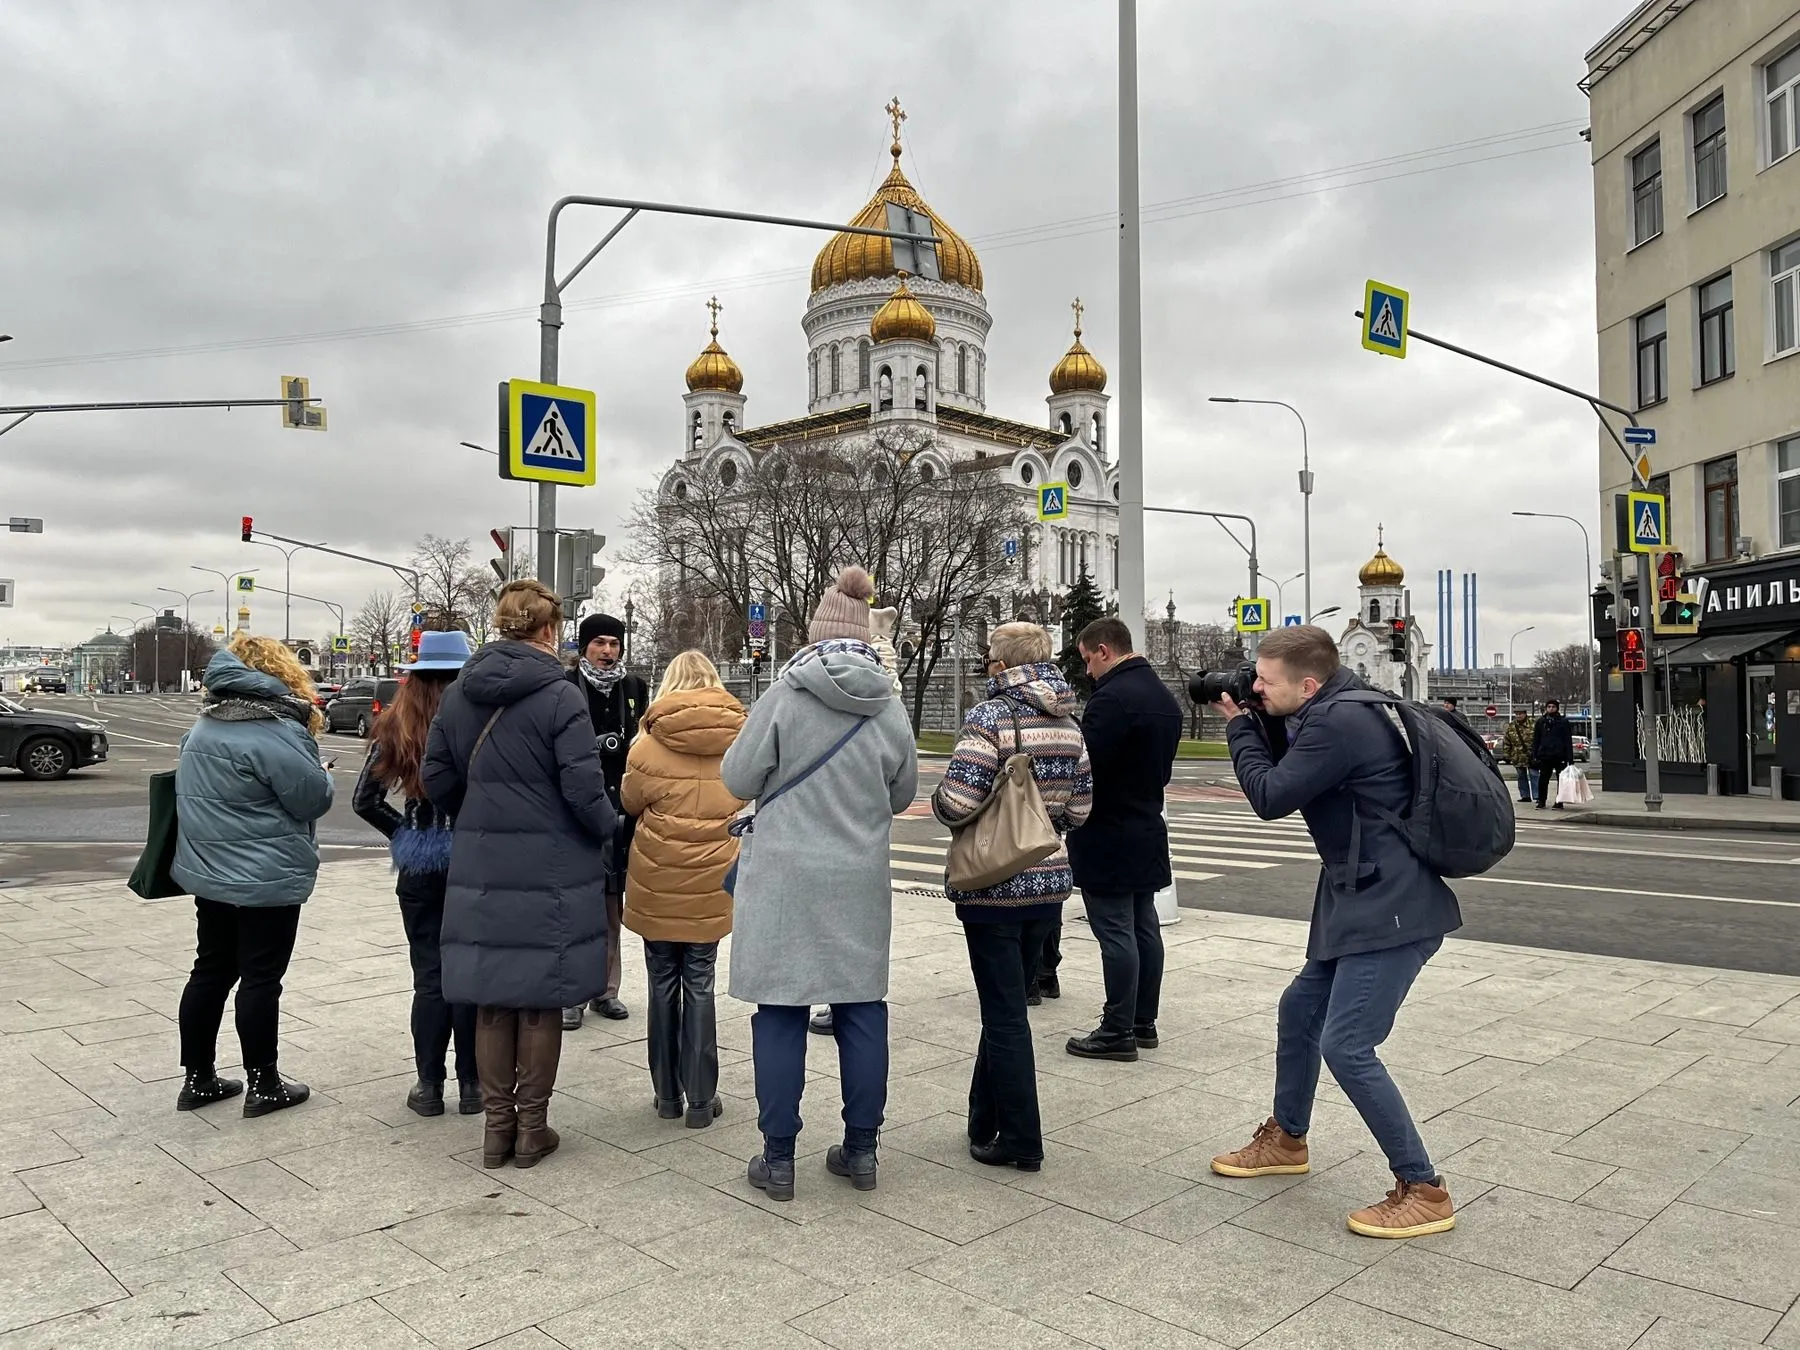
1377	917
616	702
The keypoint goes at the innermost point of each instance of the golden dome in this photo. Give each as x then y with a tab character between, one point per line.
852	257
1381	570
1078	369
713	368
902	318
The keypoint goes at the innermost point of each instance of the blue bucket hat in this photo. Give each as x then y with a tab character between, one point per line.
441	651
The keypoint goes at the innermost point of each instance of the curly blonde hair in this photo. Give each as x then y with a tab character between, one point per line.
273	658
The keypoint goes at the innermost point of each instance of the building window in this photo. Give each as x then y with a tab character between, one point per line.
1718	347
1646	193
1074	473
813	368
1067	424
1709	152
1721	509
728	473
1025	473
862	364
927	472
1374	611
834	370
1783	84
1787	488
1652	357
1659	484
1784	295
921	389
962	369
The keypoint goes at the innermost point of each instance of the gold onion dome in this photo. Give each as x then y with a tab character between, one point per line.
902	318
714	368
1078	369
1381	570
854	257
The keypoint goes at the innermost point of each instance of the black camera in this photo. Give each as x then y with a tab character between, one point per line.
610	742
1209	686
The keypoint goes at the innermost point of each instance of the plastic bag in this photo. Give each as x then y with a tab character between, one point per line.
1572	788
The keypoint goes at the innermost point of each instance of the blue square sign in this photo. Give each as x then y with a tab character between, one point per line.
547	431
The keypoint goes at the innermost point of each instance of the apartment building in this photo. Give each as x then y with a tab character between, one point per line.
1695	126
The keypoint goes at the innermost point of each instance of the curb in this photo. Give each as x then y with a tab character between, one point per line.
1643	821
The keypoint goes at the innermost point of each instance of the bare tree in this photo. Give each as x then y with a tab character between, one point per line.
159	654
1561	674
454	591
377	627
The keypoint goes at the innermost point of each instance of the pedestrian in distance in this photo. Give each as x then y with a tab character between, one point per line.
511	759
828	756
1453	706
1552	750
1029	710
1378	916
1132	726
675	897
249	787
419	841
1515	749
616	700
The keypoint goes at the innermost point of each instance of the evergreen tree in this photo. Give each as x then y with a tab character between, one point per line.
1081	606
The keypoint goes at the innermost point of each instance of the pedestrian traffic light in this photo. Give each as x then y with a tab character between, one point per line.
1397	639
247	523
1634	652
503	543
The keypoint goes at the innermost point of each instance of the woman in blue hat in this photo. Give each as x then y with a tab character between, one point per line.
419	842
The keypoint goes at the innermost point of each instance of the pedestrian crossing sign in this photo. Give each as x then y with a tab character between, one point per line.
1647	515
1386	311
246	585
340	646
1053	501
548	432
1253	615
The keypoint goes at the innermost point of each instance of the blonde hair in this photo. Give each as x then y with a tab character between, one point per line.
273	658
526	607
687	671
1019	644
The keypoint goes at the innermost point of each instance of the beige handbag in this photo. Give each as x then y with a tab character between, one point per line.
1010	832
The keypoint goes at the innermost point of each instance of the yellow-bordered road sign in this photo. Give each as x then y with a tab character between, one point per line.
549	433
1386	311
1053	501
1647	517
1253	614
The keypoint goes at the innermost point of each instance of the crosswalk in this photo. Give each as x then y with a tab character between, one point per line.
1231	840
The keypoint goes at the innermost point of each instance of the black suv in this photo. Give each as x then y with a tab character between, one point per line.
358	704
45	745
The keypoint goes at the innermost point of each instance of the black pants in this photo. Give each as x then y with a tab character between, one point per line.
684	1029
248	946
434	1021
1131	957
1547	775
1051	956
1003	1099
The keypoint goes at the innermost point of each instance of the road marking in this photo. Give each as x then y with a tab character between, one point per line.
1621	890
139	740
1653	853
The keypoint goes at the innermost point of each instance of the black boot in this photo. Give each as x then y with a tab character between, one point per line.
203	1087
699	1117
269	1091
772	1170
468	1098
994	1154
1033	996
820	1023
857	1164
1049	986
426	1098
1147	1038
1099	1045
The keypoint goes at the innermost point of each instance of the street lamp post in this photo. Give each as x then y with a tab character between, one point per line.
1511	666
1281	591
1325	613
1587	600
287	622
1306	482
1130	578
225	580
187	622
155	647
530	496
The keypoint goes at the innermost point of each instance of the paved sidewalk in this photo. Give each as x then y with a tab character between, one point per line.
1622	1139
1688	811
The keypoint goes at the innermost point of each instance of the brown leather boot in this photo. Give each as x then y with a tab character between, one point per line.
1271	1152
540	1049
497	1061
1411	1209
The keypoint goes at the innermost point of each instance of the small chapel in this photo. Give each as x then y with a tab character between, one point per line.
1366	642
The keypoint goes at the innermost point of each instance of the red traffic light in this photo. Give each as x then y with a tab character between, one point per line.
1634	658
247	524
414	644
1398	625
499	539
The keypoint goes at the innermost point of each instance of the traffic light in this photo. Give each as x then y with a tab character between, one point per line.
1680	603
247	524
1634	652
1397	640
499	564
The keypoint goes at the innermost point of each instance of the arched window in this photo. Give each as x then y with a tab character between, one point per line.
730	424
1374	611
927	472
1073	473
813	366
694	433
922	389
885	391
1099	434
834	370
681	491
1066	425
962	368
728	473
1026	474
862	364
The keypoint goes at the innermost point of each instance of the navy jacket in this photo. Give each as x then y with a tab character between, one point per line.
525	910
1337	754
1553	742
1132	727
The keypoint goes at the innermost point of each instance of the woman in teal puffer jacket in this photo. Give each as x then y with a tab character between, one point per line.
249	788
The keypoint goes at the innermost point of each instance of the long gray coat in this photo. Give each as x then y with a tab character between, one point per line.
814	898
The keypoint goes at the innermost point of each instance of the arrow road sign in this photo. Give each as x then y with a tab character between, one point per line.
1640	435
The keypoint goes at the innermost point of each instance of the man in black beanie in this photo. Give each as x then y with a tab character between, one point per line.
616	701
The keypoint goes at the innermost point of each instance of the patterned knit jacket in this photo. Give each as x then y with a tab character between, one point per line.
1049	733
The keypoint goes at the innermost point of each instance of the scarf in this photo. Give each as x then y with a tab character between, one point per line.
233	709
603	680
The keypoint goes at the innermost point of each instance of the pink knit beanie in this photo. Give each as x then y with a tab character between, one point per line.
843	610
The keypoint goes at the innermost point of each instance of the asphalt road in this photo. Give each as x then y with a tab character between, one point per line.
1715	899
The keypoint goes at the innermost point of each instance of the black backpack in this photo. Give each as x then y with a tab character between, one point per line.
1460	821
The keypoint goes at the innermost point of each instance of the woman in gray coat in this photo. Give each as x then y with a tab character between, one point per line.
828	755
512	758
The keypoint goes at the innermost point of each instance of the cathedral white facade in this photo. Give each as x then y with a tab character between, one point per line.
1367	638
886	349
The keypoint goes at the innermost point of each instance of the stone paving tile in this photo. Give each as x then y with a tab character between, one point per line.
1732	1255
206	1311
1641	1194
45	1272
1049	1257
1673	1304
913	1313
730	1302
365	1325
1654	1144
1333	1322
1112	1326
293	1286
212	1259
1550	1241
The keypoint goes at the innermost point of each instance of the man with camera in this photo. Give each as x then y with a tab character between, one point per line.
616	701
1299	745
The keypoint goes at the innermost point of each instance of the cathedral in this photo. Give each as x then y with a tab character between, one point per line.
887	349
1366	641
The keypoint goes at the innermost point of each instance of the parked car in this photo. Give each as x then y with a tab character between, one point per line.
358	704
46	745
324	691
49	681
1581	748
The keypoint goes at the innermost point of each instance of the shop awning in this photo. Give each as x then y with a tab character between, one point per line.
1722	647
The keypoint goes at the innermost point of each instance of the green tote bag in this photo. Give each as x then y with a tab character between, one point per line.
150	879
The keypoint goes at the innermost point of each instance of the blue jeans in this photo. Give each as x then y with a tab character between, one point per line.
778	1048
1528	782
1339	1011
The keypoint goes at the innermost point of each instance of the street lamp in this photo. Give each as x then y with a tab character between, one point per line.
155	648
1325	613
1587	600
287	623
1530	627
187	625
1306	481
529	494
224	580
1281	590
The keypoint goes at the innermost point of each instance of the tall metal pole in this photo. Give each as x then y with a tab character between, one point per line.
549	341
1131	334
1587	600
1511	664
1306	482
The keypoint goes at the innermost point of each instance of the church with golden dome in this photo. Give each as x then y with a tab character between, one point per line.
1366	642
889	345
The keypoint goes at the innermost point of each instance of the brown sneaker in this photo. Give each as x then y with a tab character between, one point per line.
1412	1209
1271	1152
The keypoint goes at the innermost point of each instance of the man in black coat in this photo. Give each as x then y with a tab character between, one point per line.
1379	914
1552	749
1132	726
616	700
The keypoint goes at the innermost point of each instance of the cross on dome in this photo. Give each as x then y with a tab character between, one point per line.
1077	308
896	115
714	306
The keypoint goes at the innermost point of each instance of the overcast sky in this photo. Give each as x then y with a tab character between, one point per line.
199	198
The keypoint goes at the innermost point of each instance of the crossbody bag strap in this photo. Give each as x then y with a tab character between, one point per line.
481	740
815	766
